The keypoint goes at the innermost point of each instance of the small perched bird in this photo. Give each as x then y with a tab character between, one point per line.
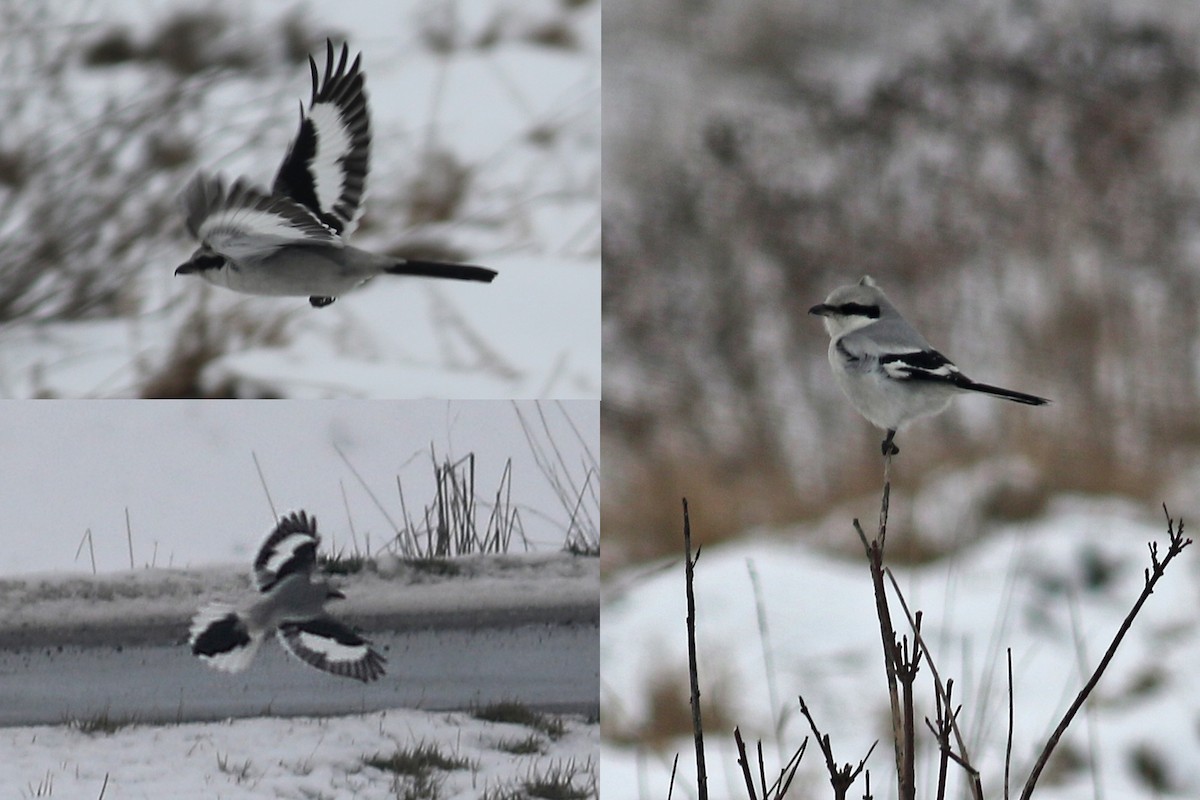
291	241
292	604
886	368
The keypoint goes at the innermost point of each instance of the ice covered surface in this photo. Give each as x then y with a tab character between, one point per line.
296	758
1034	588
149	597
520	116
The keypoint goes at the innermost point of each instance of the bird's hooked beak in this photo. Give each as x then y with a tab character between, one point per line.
334	594
821	310
199	262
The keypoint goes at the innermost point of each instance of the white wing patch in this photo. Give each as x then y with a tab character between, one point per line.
333	650
235	660
284	550
246	232
226	642
333	144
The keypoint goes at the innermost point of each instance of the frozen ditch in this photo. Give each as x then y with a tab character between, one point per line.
504	628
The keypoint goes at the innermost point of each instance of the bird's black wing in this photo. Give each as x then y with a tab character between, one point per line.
291	548
325	169
329	645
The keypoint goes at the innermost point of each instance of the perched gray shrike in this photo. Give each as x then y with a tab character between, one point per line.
886	368
291	241
292	604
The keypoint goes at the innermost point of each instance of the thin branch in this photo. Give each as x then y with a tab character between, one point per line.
689	566
887	632
941	733
965	759
129	536
840	778
744	762
262	480
768	660
1008	742
1176	544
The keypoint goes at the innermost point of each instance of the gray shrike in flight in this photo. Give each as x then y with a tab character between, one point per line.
291	241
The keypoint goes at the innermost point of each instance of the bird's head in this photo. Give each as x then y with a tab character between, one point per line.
849	308
203	260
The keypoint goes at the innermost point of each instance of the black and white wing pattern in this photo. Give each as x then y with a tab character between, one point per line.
291	548
243	222
331	646
923	365
220	637
325	169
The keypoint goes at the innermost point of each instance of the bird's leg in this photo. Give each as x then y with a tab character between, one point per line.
889	447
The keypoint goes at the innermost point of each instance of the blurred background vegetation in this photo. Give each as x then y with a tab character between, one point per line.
1019	175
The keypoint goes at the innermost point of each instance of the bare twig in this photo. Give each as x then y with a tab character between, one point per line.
262	480
671	785
778	789
689	566
744	763
777	716
840	778
964	759
906	673
87	537
874	551
1175	545
941	733
129	536
1008	741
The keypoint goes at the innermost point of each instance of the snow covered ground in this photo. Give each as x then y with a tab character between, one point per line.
1037	587
512	103
290	758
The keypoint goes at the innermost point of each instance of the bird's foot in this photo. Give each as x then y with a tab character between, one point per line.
889	446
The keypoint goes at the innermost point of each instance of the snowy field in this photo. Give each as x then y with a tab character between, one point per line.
501	99
294	758
1037	588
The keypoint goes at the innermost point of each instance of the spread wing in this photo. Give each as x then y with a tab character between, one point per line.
220	637
244	222
329	645
291	548
325	169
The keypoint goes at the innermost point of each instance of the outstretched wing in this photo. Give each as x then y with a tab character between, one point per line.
329	645
291	548
244	222
220	638
325	169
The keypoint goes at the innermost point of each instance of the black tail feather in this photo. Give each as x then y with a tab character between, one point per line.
438	269
1008	394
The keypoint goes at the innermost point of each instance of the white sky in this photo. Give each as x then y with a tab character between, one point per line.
185	471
